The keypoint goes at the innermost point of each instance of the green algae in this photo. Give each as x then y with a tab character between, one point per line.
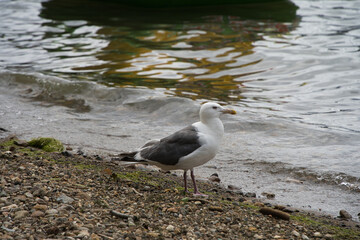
338	232
47	144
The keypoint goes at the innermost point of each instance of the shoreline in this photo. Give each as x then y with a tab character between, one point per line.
86	196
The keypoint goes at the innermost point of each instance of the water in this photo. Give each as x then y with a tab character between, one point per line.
107	78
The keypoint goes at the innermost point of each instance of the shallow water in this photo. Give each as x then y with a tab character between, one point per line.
290	69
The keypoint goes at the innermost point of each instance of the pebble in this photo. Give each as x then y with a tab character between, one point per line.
344	214
317	234
95	237
9	207
216	208
21	214
257	236
295	233
214	178
3	194
170	228
65	199
29	195
52	212
83	234
38	214
40	207
304	237
250	195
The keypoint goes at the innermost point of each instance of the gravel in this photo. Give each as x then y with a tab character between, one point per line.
72	196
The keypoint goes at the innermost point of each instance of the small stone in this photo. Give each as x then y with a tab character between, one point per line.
304	237
257	236
83	234
317	234
268	195
214	178
3	194
38	214
131	222
173	210
344	214
170	228
95	237
29	195
38	191
295	233
9	207
329	236
83	195
250	195
41	207
197	203
21	214
51	212
64	199
216	208
153	234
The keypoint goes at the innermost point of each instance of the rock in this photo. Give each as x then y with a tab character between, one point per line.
304	237
317	234
173	210
21	143
131	222
268	195
216	208
214	178
83	234
51	212
295	233
344	214
21	214
3	193
38	214
9	207
41	207
170	228
65	199
275	213
47	144
83	195
38	191
93	236
29	195
257	236
329	236
250	195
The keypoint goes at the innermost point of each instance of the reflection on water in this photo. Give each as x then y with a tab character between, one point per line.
196	53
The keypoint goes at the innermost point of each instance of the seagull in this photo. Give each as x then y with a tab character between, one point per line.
187	148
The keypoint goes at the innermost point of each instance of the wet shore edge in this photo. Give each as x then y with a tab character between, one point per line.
48	191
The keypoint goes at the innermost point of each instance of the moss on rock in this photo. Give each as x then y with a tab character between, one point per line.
47	144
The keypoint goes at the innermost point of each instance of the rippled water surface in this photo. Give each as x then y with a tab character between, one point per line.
291	70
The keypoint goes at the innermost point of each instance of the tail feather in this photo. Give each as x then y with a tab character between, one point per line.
127	157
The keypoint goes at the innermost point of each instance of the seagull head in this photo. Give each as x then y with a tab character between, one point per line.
211	110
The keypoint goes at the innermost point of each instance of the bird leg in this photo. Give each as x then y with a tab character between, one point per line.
196	191
185	181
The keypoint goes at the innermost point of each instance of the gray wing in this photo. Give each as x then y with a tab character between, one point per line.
169	150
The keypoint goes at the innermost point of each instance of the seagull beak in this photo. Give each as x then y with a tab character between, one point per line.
228	111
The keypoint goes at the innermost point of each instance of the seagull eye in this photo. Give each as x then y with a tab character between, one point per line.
214	107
